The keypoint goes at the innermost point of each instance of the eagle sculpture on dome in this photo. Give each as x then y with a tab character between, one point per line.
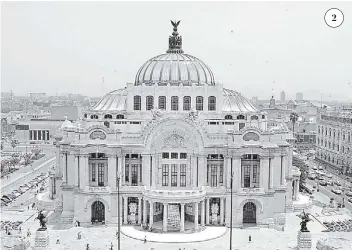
175	23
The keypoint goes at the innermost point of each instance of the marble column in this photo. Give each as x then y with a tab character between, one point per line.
271	182
144	211
123	167
154	171
202	218
221	210
283	173
196	216
112	172
139	210
261	173
125	209
151	213
182	222
297	189
77	170
165	217
289	190
207	211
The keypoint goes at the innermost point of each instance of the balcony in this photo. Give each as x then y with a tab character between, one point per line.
251	191
97	190
168	196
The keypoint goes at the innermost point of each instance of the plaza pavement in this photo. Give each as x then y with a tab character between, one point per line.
100	237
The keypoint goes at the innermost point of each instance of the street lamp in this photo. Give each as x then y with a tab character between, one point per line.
231	186
118	212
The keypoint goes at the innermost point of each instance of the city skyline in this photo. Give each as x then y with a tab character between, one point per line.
50	48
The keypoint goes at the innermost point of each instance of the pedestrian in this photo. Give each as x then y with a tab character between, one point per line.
111	245
20	230
145	239
58	240
28	207
87	247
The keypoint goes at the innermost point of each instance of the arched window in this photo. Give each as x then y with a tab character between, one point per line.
228	117
150	102
212	103
137	102
199	103
107	116
120	117
85	115
162	102
94	117
174	103
263	116
107	124
240	117
186	103
254	117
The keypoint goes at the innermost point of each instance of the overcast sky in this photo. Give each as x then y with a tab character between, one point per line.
256	48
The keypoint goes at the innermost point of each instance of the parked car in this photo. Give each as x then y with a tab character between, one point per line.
350	200
330	183
323	183
349	194
329	176
321	168
11	196
337	183
339	205
315	168
320	178
336	191
16	194
18	191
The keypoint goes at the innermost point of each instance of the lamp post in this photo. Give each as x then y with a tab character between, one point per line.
231	186
118	212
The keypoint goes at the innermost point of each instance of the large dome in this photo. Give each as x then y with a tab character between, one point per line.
174	67
113	101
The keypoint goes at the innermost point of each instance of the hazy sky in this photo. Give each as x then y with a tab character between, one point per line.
251	47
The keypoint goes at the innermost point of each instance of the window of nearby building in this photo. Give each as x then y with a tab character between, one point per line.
100	174
221	174
254	117
183	155
150	102
173	175
247	176
120	117
182	175
108	116
186	103
199	103
134	172
165	155
162	102
85	115
94	117
240	117
228	117
174	155
212	103
93	171
213	175
107	124
174	103
137	102
127	173
165	175
255	174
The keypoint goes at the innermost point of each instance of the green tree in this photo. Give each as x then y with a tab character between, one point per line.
293	118
302	166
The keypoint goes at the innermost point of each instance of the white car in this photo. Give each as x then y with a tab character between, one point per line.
336	191
349	194
321	168
329	176
315	168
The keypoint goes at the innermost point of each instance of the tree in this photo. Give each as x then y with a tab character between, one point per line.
293	118
303	167
36	152
13	144
2	145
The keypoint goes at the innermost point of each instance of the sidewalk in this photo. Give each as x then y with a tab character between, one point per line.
20	174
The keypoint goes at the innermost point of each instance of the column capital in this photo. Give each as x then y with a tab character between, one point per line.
139	198
182	203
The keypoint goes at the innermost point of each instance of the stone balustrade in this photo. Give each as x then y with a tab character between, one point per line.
252	191
90	189
171	195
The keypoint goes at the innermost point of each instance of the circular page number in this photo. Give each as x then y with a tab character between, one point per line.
334	17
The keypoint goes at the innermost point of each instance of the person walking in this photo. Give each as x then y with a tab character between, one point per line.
58	240
87	247
145	239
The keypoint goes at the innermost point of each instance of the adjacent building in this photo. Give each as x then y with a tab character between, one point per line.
167	148
334	138
299	96
282	96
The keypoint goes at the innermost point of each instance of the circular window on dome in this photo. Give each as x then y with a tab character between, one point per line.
251	136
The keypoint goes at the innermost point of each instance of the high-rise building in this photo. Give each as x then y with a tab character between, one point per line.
282	96
299	96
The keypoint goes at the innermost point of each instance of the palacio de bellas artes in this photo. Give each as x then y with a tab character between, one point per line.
175	151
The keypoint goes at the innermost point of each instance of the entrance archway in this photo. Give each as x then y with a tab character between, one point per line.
250	213
98	211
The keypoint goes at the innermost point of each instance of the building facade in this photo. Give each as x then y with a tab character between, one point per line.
167	149
334	138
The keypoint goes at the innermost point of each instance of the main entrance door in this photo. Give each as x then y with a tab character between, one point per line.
98	211
249	213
